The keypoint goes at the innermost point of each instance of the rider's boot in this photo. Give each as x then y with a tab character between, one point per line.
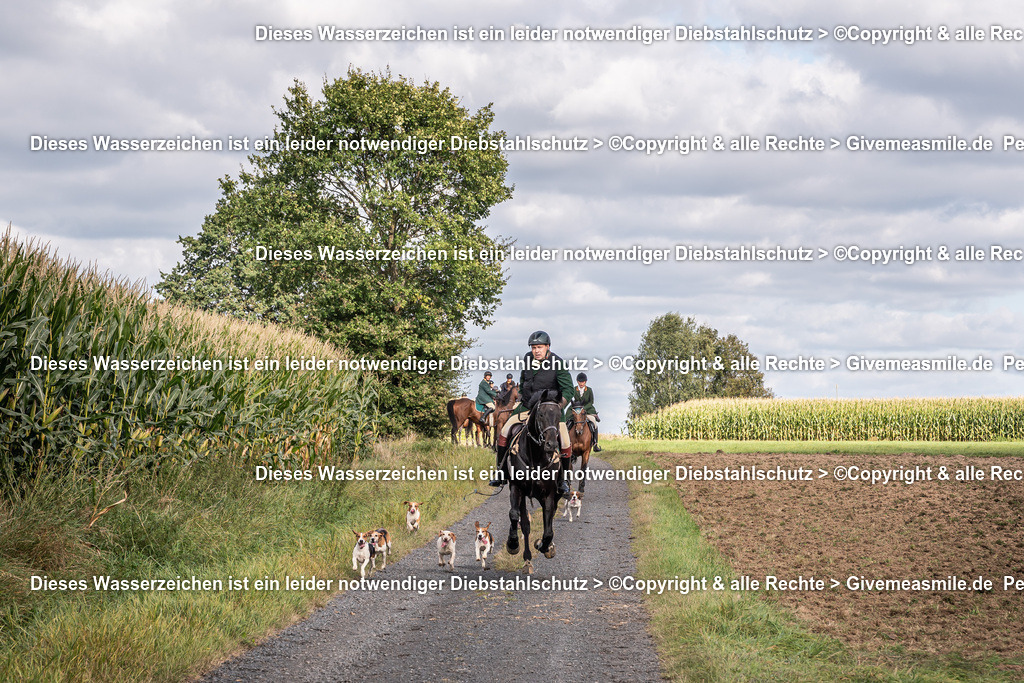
593	434
563	475
499	463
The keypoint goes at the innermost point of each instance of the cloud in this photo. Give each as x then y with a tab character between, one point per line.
73	70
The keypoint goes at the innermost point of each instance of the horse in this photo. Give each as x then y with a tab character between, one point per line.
504	402
534	472
462	413
581	439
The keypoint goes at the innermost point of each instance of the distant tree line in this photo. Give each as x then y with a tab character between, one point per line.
724	366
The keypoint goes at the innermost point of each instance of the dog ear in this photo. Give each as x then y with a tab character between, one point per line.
356	533
453	537
405	502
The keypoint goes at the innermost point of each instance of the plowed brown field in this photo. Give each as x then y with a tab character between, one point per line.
832	529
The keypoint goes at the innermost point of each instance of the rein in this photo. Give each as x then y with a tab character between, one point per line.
537	439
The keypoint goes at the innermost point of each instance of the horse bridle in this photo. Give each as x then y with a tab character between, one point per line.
578	424
538	439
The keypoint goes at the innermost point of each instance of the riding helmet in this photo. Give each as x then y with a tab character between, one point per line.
582	377
539	337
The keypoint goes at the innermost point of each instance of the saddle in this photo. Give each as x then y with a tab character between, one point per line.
514	437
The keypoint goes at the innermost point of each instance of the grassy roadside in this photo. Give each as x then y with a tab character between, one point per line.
983	448
726	635
211	521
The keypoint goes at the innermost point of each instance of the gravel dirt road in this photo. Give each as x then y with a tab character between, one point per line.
479	635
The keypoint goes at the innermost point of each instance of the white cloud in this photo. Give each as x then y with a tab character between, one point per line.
75	69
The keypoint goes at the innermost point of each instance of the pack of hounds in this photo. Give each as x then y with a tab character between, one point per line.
371	544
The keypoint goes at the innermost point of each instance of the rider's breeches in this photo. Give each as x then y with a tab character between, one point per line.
563	432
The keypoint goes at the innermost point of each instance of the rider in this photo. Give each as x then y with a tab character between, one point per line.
485	397
506	388
542	370
584	395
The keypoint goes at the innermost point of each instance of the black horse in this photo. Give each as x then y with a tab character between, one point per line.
534	474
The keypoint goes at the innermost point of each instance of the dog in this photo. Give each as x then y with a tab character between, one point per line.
446	549
362	553
574	502
484	543
381	543
412	516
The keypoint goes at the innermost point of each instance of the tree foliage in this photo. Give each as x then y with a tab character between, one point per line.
707	365
351	198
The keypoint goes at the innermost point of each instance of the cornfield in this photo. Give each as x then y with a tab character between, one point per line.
901	419
87	417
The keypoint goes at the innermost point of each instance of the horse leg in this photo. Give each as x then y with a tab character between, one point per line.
514	497
583	470
545	544
524	524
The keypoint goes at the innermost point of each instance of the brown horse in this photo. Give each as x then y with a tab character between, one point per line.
504	402
462	413
581	440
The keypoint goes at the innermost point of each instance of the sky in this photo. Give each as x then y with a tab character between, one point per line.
73	70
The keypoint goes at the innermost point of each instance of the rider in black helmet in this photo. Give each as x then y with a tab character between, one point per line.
485	397
542	370
584	395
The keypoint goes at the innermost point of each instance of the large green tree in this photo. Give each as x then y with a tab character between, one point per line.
708	365
351	192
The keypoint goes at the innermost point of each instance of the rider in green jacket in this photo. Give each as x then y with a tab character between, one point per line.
585	395
543	371
485	397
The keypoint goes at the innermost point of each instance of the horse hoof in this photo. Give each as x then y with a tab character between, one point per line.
551	552
513	549
528	568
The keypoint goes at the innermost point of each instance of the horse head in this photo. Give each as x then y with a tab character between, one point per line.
542	429
579	418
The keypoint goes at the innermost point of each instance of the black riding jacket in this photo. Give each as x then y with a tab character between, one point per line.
538	376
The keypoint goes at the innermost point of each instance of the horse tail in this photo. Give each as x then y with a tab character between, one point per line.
451	410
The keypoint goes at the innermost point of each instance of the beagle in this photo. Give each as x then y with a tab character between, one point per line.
362	553
484	543
381	545
446	549
573	503
412	515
